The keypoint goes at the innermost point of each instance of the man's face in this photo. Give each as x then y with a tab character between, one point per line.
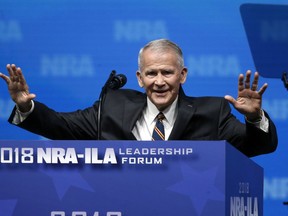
161	76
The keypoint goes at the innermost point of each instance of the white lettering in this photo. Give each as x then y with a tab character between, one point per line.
78	213
110	156
277	108
114	214
275	31
238	207
67	65
244	187
70	156
57	213
6	155
57	155
137	30
83	213
10	31
155	151
44	155
276	188
213	65
141	160
92	156
95	155
255	209
10	155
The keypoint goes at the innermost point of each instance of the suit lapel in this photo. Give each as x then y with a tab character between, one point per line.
133	110
186	110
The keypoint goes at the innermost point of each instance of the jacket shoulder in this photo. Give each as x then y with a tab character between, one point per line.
126	93
205	99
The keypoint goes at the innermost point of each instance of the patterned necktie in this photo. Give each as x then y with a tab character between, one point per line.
158	133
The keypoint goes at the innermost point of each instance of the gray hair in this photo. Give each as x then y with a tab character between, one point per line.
162	45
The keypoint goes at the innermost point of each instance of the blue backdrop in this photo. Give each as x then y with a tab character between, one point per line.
68	48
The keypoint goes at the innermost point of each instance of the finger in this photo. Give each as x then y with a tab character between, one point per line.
241	82
20	76
247	79
255	82
9	69
5	78
12	70
263	89
15	73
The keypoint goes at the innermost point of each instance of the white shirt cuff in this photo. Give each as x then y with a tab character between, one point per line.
19	116
263	124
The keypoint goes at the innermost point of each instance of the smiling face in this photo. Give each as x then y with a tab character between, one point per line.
161	75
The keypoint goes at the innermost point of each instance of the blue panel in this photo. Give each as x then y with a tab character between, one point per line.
267	32
130	178
68	48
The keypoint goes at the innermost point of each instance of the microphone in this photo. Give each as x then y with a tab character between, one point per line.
114	82
117	81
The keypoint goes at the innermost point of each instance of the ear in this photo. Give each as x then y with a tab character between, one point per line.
183	75
139	78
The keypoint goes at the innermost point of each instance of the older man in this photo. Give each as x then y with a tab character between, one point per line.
162	112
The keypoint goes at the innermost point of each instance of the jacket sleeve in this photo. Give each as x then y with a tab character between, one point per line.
246	137
261	142
81	124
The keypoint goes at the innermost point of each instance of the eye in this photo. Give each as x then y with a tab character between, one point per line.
167	73
151	73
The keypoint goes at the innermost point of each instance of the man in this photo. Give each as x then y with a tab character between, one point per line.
130	115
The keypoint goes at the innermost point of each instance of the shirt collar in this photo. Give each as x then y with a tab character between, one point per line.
169	112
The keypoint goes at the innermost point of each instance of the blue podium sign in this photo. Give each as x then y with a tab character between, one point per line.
128	178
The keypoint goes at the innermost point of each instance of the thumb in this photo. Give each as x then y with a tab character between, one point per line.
31	96
230	99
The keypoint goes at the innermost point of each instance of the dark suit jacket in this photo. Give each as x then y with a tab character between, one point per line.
202	118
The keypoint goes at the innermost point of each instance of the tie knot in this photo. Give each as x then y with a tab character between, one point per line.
160	116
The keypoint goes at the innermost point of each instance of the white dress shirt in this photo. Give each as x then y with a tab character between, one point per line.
144	126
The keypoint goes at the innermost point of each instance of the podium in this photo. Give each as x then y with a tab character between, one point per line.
128	178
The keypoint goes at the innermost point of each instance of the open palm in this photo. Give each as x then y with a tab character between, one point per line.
17	86
249	100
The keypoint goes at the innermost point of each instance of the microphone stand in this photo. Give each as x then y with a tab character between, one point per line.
101	97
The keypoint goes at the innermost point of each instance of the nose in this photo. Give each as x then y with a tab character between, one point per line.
159	80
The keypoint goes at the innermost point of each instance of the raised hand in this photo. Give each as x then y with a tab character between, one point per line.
249	100
18	88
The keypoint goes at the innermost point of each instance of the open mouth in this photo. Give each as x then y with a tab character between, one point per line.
160	93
